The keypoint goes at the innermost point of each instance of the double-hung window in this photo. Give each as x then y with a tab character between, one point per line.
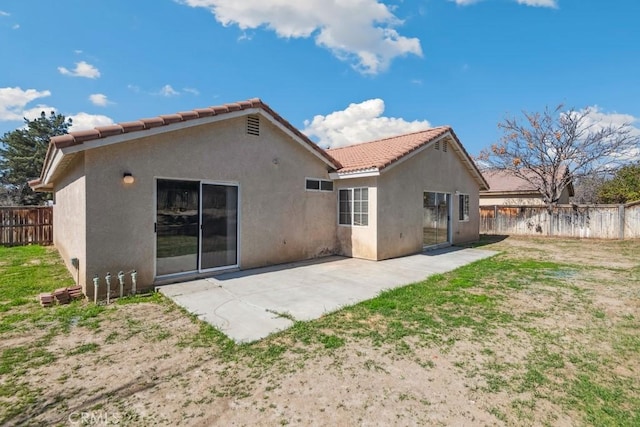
353	206
463	207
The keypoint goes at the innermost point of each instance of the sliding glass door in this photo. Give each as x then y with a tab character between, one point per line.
196	226
435	226
219	226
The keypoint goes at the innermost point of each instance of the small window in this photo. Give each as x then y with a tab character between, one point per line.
353	206
463	207
312	184
326	185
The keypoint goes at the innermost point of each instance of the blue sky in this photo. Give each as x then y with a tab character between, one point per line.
341	71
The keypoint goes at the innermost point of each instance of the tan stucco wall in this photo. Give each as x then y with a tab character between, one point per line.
400	200
69	219
279	220
359	241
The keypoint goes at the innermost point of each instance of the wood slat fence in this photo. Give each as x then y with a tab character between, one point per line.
581	221
24	225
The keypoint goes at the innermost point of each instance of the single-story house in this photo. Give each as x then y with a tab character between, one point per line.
236	186
507	189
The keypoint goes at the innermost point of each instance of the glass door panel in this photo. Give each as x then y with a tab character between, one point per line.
219	238
435	225
177	226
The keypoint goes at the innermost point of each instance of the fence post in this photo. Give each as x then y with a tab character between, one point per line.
621	212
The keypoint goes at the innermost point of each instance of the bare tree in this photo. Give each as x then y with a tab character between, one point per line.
552	148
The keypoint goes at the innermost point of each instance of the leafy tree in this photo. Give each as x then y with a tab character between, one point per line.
624	187
551	149
22	154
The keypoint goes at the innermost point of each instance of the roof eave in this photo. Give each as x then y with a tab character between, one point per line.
361	173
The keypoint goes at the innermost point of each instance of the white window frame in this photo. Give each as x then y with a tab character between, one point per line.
319	181
463	207
353	212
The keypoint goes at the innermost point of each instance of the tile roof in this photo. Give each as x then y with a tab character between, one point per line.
79	137
501	181
376	155
383	152
504	181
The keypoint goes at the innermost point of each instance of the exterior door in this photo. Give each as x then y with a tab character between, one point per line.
436	216
177	226
196	226
219	230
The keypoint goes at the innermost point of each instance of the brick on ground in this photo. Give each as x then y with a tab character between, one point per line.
62	296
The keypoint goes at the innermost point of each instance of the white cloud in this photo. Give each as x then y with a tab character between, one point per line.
167	90
99	99
358	123
535	3
13	101
464	2
3	13
83	69
359	31
84	121
191	90
15	27
596	119
539	3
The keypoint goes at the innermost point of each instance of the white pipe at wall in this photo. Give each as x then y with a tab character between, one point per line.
96	282
121	280
107	278
134	281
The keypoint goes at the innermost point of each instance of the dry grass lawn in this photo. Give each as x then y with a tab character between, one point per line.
546	333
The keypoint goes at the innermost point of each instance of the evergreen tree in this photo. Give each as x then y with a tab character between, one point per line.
22	154
624	187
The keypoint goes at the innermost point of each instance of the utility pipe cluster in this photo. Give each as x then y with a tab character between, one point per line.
121	281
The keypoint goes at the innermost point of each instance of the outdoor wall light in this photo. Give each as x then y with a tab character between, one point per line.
127	178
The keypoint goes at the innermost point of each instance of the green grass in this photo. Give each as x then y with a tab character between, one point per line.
26	271
563	365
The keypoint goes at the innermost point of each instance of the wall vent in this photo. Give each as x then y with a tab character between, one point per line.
253	125
444	146
437	145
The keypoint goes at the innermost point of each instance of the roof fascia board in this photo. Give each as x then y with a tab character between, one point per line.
116	139
510	193
52	166
355	174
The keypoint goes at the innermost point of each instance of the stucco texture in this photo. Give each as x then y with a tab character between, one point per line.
279	220
400	200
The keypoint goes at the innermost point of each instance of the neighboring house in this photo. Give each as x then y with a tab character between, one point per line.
507	189
236	186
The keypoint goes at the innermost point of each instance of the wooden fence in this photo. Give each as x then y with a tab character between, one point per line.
581	221
26	225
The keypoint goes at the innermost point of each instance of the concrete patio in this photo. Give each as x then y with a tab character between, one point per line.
246	305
